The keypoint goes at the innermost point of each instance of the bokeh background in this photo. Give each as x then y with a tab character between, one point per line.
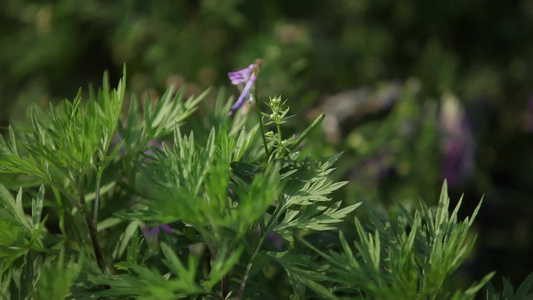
414	91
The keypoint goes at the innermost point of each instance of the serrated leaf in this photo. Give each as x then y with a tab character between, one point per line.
37	207
187	276
222	265
297	267
525	288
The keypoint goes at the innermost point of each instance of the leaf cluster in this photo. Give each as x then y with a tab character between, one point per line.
413	255
210	213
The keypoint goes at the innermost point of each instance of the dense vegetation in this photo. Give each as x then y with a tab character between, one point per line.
413	92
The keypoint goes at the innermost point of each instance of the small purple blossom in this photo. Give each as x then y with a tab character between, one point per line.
117	139
245	79
458	142
241	76
244	95
156	143
275	239
151	235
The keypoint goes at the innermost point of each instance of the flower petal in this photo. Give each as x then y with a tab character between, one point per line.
154	232
244	95
241	76
166	228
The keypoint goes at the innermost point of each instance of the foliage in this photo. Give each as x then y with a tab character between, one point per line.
524	291
237	211
216	190
413	255
477	52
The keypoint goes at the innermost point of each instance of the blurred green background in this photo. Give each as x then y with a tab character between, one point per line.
414	91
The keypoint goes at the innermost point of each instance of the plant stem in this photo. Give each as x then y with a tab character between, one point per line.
307	131
82	207
225	286
92	232
249	267
279	133
274	218
97	196
261	122
66	208
91	228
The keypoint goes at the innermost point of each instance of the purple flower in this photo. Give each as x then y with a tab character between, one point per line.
244	95
117	139
246	77
241	76
275	239
156	143
458	142
151	235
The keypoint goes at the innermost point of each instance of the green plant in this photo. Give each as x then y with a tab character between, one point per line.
412	256
236	209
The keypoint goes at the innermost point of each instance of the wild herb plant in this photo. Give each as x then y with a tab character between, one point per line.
524	291
227	207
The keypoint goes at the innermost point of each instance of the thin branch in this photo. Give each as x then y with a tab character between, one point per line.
258	109
270	224
97	197
307	131
92	231
224	284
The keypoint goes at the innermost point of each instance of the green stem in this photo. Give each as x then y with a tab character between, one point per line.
262	224
269	226
91	229
92	234
84	211
261	122
307	131
66	209
97	196
224	286
279	133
